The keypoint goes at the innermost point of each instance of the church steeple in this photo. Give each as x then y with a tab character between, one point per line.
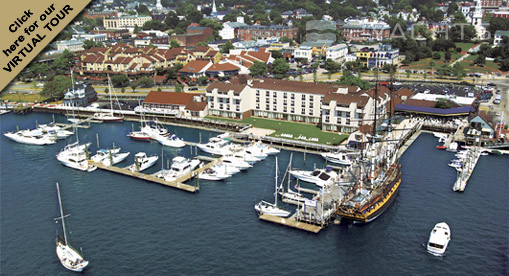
214	9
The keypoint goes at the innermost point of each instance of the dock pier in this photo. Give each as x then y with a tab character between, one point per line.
177	184
467	170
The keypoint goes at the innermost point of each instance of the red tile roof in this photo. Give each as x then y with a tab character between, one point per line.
294	86
196	106
225	87
223	67
173	98
195	66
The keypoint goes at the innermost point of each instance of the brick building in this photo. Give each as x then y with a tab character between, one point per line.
365	30
193	36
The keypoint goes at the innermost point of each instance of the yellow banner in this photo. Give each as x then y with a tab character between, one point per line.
27	27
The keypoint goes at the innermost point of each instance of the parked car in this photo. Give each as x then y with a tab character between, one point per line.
192	89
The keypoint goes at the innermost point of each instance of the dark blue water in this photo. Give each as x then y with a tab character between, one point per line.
131	227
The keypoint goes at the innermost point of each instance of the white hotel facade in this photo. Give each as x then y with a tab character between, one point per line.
336	108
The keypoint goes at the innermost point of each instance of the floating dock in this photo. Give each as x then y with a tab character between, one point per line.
292	222
177	184
467	170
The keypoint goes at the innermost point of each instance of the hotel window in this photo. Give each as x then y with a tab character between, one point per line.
303	97
267	101
257	106
311	98
267	107
284	109
326	119
257	99
292	103
274	94
348	121
285	102
311	112
211	105
285	95
310	105
303	111
274	108
303	105
292	96
221	106
267	93
237	108
257	92
274	101
292	110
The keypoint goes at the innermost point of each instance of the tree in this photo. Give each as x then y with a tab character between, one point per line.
447	56
134	85
436	55
119	80
56	88
459	17
465	35
146	82
480	60
258	69
202	80
331	66
285	39
349	79
179	87
453	7
443	104
280	67
498	23
458	70
87	44
155	25
142	10
227	47
136	29
276	54
174	44
194	16
171	19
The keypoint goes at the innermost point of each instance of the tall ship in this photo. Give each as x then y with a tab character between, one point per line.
375	176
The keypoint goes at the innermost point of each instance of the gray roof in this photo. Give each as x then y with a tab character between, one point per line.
502	33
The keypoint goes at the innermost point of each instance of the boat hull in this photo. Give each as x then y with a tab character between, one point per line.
375	209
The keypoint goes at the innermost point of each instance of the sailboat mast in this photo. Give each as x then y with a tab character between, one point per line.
109	89
275	187
61	213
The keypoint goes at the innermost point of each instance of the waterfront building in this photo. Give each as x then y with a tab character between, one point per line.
338	108
81	95
176	104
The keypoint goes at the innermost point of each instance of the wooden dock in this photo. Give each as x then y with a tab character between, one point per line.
467	170
291	222
177	184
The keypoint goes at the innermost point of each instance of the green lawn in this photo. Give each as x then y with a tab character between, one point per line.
295	129
22	97
465	46
489	67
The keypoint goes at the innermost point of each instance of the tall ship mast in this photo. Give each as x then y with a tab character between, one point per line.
376	175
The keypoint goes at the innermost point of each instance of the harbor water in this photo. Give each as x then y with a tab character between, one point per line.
127	226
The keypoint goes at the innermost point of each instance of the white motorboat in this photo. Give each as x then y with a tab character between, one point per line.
103	154
236	162
4	111
142	162
170	141
256	151
139	135
54	130
266	149
69	257
28	137
267	208
154	129
226	168
216	146
213	174
180	166
452	147
110	156
320	177
250	159
340	157
75	156
456	163
439	239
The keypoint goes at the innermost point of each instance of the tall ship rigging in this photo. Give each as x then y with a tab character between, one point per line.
375	174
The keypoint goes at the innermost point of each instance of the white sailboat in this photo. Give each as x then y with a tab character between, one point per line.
290	194
264	207
109	116
69	257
